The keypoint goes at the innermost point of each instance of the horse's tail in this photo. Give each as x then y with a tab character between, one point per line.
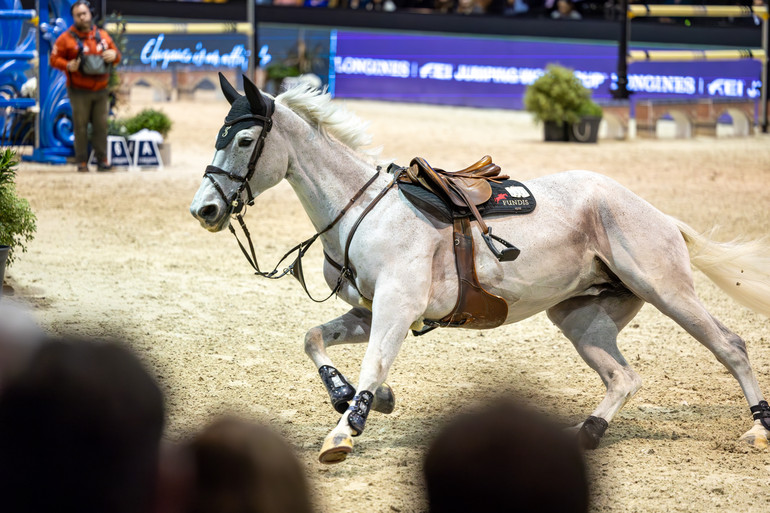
740	268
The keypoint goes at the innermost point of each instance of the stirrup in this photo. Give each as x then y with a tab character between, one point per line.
508	254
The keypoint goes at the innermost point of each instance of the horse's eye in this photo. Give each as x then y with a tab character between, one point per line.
246	141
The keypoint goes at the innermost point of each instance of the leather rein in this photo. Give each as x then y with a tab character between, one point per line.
237	209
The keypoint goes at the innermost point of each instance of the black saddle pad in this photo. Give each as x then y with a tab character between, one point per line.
509	197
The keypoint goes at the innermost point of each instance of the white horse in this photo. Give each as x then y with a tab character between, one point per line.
592	253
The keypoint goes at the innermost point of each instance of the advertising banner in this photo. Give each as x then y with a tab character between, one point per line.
487	72
163	51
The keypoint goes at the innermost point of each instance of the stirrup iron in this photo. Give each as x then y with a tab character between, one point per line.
508	254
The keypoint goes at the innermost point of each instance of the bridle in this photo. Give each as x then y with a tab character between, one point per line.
235	204
236	208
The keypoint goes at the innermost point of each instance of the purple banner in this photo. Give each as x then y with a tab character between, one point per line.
485	72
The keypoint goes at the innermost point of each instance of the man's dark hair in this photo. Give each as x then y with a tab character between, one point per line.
82	2
505	458
80	430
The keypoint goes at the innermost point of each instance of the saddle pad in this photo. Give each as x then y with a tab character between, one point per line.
509	197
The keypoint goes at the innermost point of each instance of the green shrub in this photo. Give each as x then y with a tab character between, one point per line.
558	95
17	222
116	126
151	120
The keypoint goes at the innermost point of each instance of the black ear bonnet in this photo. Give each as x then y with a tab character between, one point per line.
242	111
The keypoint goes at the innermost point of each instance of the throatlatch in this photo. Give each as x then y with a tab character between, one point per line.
359	410
340	391
761	413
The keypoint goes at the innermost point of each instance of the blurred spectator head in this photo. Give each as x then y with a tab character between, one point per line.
80	427
19	337
505	458
565	9
243	467
468	7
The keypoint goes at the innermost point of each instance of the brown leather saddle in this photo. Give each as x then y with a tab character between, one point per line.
466	189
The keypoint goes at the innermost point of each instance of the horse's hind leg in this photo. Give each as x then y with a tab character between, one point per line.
592	324
351	327
667	284
730	350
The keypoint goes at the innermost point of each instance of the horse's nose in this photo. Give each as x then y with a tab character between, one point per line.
207	213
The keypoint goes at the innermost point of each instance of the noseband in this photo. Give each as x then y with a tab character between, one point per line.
236	208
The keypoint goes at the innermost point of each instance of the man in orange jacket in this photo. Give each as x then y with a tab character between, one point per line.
75	52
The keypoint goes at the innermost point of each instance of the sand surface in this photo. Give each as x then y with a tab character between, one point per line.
118	253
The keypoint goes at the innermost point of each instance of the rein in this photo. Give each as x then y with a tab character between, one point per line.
237	209
295	269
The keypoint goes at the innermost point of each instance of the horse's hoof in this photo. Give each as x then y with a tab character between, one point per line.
336	448
756	437
384	399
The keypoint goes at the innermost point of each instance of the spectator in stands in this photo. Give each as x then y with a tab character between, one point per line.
243	467
516	8
469	7
505	458
444	6
756	20
565	10
80	428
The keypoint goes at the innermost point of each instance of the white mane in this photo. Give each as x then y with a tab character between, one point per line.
331	120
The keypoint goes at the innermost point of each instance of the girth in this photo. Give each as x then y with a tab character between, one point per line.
475	308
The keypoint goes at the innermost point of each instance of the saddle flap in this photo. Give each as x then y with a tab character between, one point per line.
476	191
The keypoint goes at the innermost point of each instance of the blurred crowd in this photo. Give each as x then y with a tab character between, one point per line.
556	9
82	426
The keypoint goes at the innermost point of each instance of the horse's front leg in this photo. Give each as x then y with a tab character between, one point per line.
352	327
393	313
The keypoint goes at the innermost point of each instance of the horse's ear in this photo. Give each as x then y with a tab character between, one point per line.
256	101
229	91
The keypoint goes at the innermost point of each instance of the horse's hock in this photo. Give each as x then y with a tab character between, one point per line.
694	117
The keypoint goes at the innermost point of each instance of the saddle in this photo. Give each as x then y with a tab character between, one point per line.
465	189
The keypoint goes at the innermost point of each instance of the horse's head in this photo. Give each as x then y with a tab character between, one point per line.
242	146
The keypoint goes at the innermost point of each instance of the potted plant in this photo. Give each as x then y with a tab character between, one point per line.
564	105
17	222
149	119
